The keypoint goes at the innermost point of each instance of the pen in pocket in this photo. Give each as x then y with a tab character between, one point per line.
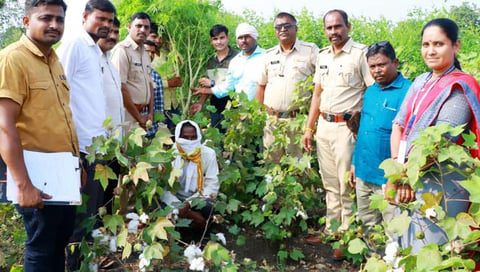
388	108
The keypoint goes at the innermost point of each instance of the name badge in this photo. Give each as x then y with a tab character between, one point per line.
323	67
275	62
402	150
137	64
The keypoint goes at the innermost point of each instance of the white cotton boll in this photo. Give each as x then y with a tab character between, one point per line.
104	240
400	269
93	267
132	216
430	213
197	264
391	260
143	263
228	162
112	246
457	246
221	237
264	207
391	250
191	252
144	218
133	226
302	214
268	179
96	233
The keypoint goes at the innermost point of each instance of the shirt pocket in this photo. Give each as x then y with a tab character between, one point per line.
323	72
388	111
136	71
42	95
345	75
274	69
301	69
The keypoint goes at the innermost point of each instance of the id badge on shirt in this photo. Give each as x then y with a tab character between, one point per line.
402	150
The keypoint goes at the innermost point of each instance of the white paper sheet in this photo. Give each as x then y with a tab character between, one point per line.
56	174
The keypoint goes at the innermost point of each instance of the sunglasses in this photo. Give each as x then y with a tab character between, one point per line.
286	26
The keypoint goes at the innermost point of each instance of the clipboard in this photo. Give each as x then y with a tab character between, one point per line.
56	174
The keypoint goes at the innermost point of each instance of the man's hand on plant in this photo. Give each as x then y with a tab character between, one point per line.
175	81
202	90
185	210
205	82
196	107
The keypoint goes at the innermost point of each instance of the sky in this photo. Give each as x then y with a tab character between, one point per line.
394	10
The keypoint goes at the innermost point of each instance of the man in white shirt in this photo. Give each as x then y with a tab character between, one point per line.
193	158
114	102
244	68
111	81
81	59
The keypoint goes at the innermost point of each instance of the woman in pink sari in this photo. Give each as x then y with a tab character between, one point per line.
443	95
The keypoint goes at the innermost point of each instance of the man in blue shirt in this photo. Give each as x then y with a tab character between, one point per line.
244	68
151	49
381	102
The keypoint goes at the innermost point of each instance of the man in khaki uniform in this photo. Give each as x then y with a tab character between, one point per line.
341	76
286	64
133	64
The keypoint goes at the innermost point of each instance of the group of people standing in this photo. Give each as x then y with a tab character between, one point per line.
362	110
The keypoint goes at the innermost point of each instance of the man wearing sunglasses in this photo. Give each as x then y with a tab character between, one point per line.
285	65
341	78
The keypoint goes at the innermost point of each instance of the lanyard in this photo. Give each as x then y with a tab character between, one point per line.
415	106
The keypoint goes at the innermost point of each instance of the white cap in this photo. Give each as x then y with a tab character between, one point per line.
246	29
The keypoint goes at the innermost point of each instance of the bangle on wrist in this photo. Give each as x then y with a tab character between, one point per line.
309	130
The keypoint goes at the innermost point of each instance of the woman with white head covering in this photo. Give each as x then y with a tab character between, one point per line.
199	174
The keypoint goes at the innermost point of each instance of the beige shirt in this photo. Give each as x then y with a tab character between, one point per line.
133	64
38	84
281	73
343	77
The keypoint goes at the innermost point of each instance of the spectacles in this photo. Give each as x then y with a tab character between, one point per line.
287	26
379	45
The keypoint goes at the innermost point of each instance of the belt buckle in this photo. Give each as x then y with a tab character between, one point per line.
329	117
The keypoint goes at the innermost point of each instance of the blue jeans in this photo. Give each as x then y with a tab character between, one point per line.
48	230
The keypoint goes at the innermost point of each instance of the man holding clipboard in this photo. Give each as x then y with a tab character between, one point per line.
35	116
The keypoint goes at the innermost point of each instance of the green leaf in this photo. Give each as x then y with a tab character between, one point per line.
241	239
174	175
472	185
158	228
393	169
122	237
282	255
154	251
136	137
103	173
377	201
296	255
431	253
375	265
235	230
470	140
457	227
112	222
431	200
233	205
121	159
357	246
455	262
127	251
399	224
216	252
140	171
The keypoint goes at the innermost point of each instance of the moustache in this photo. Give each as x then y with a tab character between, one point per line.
52	31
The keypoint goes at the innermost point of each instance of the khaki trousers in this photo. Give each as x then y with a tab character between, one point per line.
335	144
293	149
371	217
